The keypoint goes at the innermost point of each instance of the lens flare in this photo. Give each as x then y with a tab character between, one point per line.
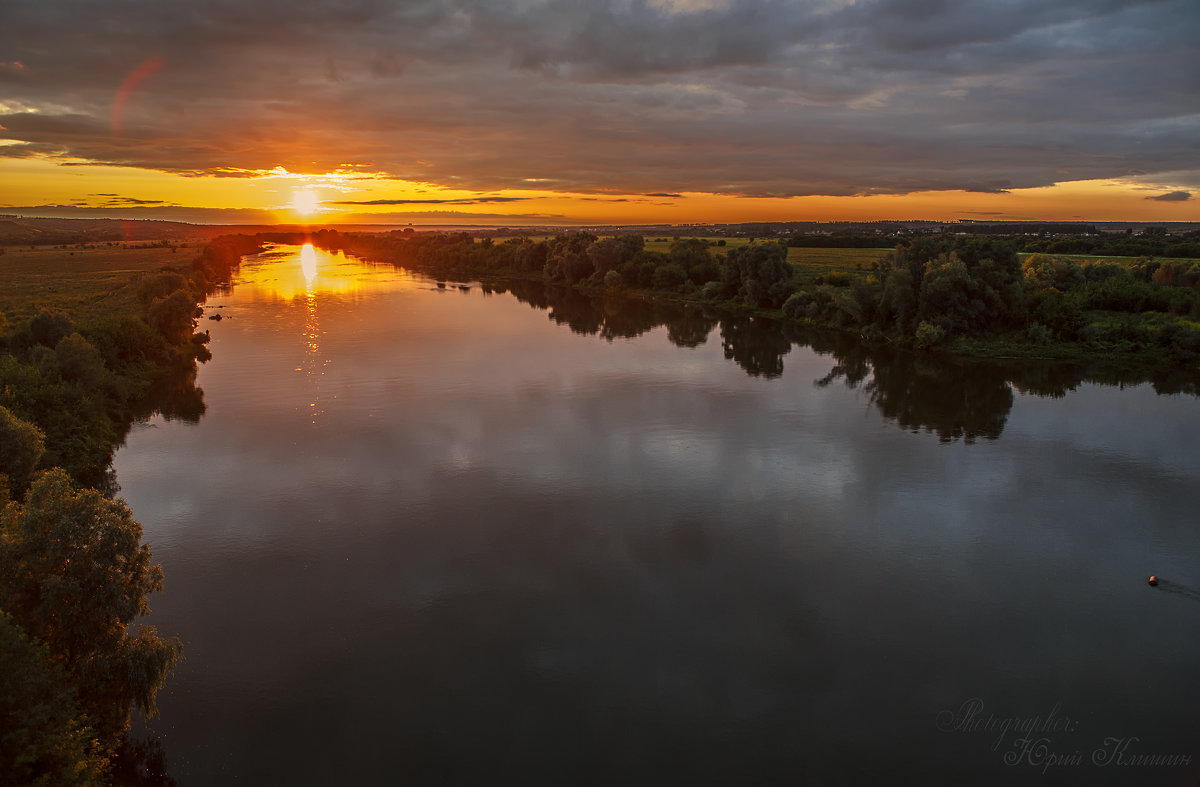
127	87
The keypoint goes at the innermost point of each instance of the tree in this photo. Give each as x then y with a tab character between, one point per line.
532	256
160	285
898	301
49	329
611	253
21	447
759	274
669	276
75	577
174	316
969	285
80	362
44	737
692	255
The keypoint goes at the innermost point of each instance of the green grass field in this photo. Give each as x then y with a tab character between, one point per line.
810	262
84	283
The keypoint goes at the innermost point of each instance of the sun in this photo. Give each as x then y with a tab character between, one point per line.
305	202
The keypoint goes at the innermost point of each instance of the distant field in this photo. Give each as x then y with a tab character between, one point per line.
1119	260
816	260
84	283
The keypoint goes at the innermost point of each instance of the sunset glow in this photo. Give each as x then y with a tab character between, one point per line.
306	202
655	112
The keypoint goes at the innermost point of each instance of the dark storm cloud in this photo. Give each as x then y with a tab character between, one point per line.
657	97
1172	196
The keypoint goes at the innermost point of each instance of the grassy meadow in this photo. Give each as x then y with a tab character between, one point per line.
83	282
813	262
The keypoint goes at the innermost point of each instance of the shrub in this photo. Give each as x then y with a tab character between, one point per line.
795	306
1038	333
929	335
49	329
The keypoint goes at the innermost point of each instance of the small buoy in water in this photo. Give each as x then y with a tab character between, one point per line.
1153	580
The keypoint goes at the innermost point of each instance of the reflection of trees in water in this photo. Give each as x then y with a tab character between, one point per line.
578	312
953	398
141	762
613	318
1056	380
756	345
175	397
625	318
691	328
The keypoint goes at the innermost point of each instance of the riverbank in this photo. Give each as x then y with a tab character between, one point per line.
952	297
93	339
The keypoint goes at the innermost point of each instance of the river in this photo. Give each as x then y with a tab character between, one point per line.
427	534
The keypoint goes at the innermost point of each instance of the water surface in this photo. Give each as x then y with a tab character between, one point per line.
426	535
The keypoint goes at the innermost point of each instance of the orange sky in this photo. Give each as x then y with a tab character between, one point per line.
290	197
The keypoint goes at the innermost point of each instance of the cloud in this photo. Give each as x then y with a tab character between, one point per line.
197	215
115	201
457	216
462	201
1172	196
663	194
160	212
656	97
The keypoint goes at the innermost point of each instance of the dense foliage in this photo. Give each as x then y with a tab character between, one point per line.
1152	242
75	576
45	739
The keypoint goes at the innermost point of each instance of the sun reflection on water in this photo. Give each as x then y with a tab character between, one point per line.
314	362
291	272
326	282
308	264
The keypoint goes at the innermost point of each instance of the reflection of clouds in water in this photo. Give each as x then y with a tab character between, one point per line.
525	401
624	535
1139	426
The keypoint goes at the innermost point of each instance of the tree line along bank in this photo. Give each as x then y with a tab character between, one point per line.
963	294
